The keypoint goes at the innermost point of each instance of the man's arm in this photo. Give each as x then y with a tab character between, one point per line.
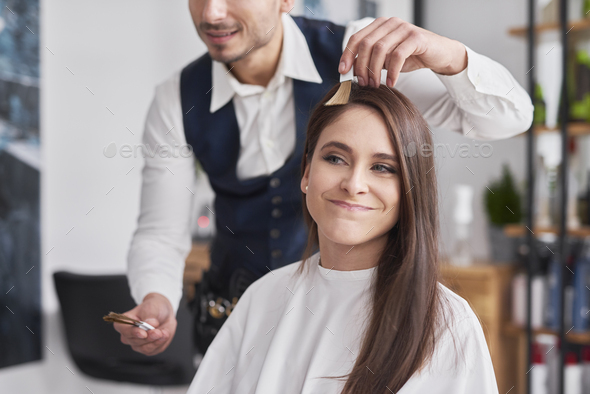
483	101
162	240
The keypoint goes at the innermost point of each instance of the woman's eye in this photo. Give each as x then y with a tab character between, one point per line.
330	159
379	167
385	168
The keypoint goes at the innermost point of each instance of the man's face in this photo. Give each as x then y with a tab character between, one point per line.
231	29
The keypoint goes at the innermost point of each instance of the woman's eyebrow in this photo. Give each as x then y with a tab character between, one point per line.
385	156
348	149
339	145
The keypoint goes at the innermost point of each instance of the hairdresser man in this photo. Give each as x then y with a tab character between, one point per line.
244	106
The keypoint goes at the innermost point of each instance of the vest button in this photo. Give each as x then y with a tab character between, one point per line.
275	233
275	182
276	213
276	200
276	253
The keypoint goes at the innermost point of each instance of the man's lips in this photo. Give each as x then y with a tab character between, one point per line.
351	207
218	37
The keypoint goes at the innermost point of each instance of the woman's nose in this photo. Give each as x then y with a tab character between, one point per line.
355	181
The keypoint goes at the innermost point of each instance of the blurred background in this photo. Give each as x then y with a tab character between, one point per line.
78	76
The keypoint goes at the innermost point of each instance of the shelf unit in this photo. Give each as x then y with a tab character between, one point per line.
574	129
566	130
577	26
519	230
579	338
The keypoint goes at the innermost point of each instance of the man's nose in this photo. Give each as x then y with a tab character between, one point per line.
214	10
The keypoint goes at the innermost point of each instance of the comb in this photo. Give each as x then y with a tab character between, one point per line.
343	93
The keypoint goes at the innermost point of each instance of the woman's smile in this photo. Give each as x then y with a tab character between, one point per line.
351	207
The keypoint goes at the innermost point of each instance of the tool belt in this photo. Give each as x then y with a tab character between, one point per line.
212	307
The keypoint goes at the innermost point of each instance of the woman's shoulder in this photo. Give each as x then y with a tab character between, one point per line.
455	305
461	362
273	280
457	319
460	325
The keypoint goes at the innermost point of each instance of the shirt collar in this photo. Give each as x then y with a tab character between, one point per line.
295	62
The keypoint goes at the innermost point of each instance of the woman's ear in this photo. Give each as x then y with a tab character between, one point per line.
305	179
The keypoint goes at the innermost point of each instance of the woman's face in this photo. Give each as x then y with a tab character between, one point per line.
353	163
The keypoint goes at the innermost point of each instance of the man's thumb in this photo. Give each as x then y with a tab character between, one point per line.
152	321
152	313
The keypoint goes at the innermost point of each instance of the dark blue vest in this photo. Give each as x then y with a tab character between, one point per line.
259	221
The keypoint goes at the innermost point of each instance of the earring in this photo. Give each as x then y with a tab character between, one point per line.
305	188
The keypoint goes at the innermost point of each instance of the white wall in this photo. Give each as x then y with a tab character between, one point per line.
482	26
120	51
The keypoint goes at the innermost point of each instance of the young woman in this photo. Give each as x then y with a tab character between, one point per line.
365	313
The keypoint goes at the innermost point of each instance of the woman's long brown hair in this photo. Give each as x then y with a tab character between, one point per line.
401	333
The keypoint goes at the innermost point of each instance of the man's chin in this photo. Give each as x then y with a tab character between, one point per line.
225	56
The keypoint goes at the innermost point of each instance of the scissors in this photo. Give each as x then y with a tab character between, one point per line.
120	318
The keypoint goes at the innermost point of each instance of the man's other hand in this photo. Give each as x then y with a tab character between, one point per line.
157	311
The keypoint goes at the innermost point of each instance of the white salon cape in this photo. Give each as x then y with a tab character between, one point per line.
288	330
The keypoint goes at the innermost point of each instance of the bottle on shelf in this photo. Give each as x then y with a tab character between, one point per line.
575	9
573	219
572	374
581	318
548	62
539	114
519	299
539	371
542	210
586	369
463	216
554	274
554	300
550	346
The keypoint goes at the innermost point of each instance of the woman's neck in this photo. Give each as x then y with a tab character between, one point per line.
342	257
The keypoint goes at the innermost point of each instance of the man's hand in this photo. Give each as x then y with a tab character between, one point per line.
399	46
157	311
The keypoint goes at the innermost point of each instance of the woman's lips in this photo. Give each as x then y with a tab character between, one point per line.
220	38
350	207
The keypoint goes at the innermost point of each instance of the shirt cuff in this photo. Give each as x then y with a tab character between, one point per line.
476	80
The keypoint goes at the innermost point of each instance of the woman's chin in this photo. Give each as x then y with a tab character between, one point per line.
340	235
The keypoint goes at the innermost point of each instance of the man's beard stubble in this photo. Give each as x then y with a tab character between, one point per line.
259	43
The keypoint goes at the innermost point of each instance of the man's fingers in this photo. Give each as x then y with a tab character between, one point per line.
131	332
381	51
126	329
351	49
149	337
152	321
396	60
375	41
153	347
154	335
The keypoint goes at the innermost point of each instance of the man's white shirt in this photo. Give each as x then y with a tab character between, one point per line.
483	102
